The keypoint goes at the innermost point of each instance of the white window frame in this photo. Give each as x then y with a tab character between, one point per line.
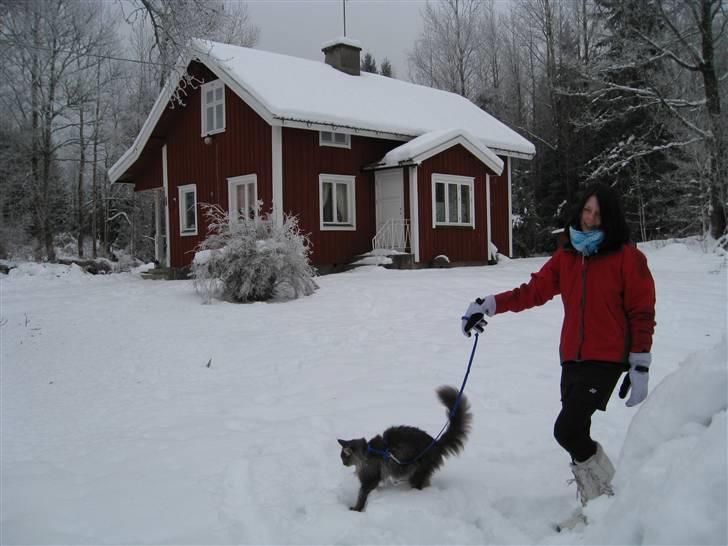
323	141
335	179
459	181
186	231
212	86
233	183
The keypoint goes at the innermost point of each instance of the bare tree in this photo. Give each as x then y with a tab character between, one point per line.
696	30
447	54
175	23
46	44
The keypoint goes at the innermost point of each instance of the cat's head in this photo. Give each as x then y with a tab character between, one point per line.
352	450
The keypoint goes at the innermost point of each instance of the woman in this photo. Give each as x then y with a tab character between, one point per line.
609	318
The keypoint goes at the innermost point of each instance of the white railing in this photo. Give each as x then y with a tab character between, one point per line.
393	235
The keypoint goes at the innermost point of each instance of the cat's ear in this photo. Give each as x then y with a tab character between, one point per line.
343	443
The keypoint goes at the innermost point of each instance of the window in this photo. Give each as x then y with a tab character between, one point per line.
213	108
338	140
452	200
188	209
243	197
337	202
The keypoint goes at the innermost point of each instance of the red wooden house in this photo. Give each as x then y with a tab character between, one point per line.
362	159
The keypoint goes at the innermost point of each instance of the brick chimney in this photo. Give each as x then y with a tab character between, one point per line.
343	54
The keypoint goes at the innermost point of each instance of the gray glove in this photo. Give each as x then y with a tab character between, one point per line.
474	314
639	367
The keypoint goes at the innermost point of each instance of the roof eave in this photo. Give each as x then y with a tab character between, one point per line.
512	153
493	163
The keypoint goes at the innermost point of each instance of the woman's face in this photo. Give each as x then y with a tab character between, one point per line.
590	216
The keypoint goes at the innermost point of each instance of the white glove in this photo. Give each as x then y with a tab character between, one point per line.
639	366
473	317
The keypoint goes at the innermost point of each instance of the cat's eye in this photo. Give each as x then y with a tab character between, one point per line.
346	451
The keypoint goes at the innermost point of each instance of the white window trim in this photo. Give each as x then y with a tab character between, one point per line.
469	181
332	143
233	183
213	85
181	191
350	181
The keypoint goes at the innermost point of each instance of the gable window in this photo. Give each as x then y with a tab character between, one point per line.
331	138
452	200
188	209
213	107
243	197
337	202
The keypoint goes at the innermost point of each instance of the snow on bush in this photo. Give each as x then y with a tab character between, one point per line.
252	259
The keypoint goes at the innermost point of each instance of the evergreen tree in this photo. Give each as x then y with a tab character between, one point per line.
369	63
386	68
627	138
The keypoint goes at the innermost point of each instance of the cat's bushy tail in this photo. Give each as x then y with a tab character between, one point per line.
451	443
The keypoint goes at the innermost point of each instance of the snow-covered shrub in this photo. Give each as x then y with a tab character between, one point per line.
252	259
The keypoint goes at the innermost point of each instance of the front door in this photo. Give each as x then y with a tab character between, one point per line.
389	204
160	228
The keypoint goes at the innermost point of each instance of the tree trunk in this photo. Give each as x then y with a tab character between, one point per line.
46	155
717	144
585	31
81	168
35	125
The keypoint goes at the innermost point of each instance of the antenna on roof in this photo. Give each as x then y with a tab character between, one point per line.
344	4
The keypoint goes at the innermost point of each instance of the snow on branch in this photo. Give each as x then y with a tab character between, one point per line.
620	163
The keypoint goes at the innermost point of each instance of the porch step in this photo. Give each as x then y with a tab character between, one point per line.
385	258
402	261
157	274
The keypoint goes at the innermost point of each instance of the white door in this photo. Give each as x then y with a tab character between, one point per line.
389	202
160	231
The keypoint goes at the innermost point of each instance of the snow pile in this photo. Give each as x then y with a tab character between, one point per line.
671	479
47	271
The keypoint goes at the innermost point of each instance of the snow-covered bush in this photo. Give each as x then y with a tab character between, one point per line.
252	259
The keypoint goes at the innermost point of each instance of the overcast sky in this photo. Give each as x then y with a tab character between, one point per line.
385	28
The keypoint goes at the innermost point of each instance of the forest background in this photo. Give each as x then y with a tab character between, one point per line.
627	92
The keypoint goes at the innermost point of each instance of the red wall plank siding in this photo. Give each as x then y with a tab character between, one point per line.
303	161
499	210
244	148
150	173
459	244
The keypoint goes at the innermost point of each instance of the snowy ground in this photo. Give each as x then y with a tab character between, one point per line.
115	430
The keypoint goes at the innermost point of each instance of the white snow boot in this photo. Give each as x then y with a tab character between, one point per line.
594	476
577	518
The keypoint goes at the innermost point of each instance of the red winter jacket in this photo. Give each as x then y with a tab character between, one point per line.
609	302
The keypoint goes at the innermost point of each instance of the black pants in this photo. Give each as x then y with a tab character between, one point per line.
585	388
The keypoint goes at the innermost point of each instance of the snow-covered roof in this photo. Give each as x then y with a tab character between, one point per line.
290	91
432	143
342	40
296	89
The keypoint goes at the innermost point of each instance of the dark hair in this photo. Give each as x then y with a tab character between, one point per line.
614	224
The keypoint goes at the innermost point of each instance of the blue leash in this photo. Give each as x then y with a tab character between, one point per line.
387	454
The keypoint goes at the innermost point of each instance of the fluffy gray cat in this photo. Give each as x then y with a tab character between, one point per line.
407	452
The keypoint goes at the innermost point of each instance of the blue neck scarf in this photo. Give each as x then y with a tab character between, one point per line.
586	242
